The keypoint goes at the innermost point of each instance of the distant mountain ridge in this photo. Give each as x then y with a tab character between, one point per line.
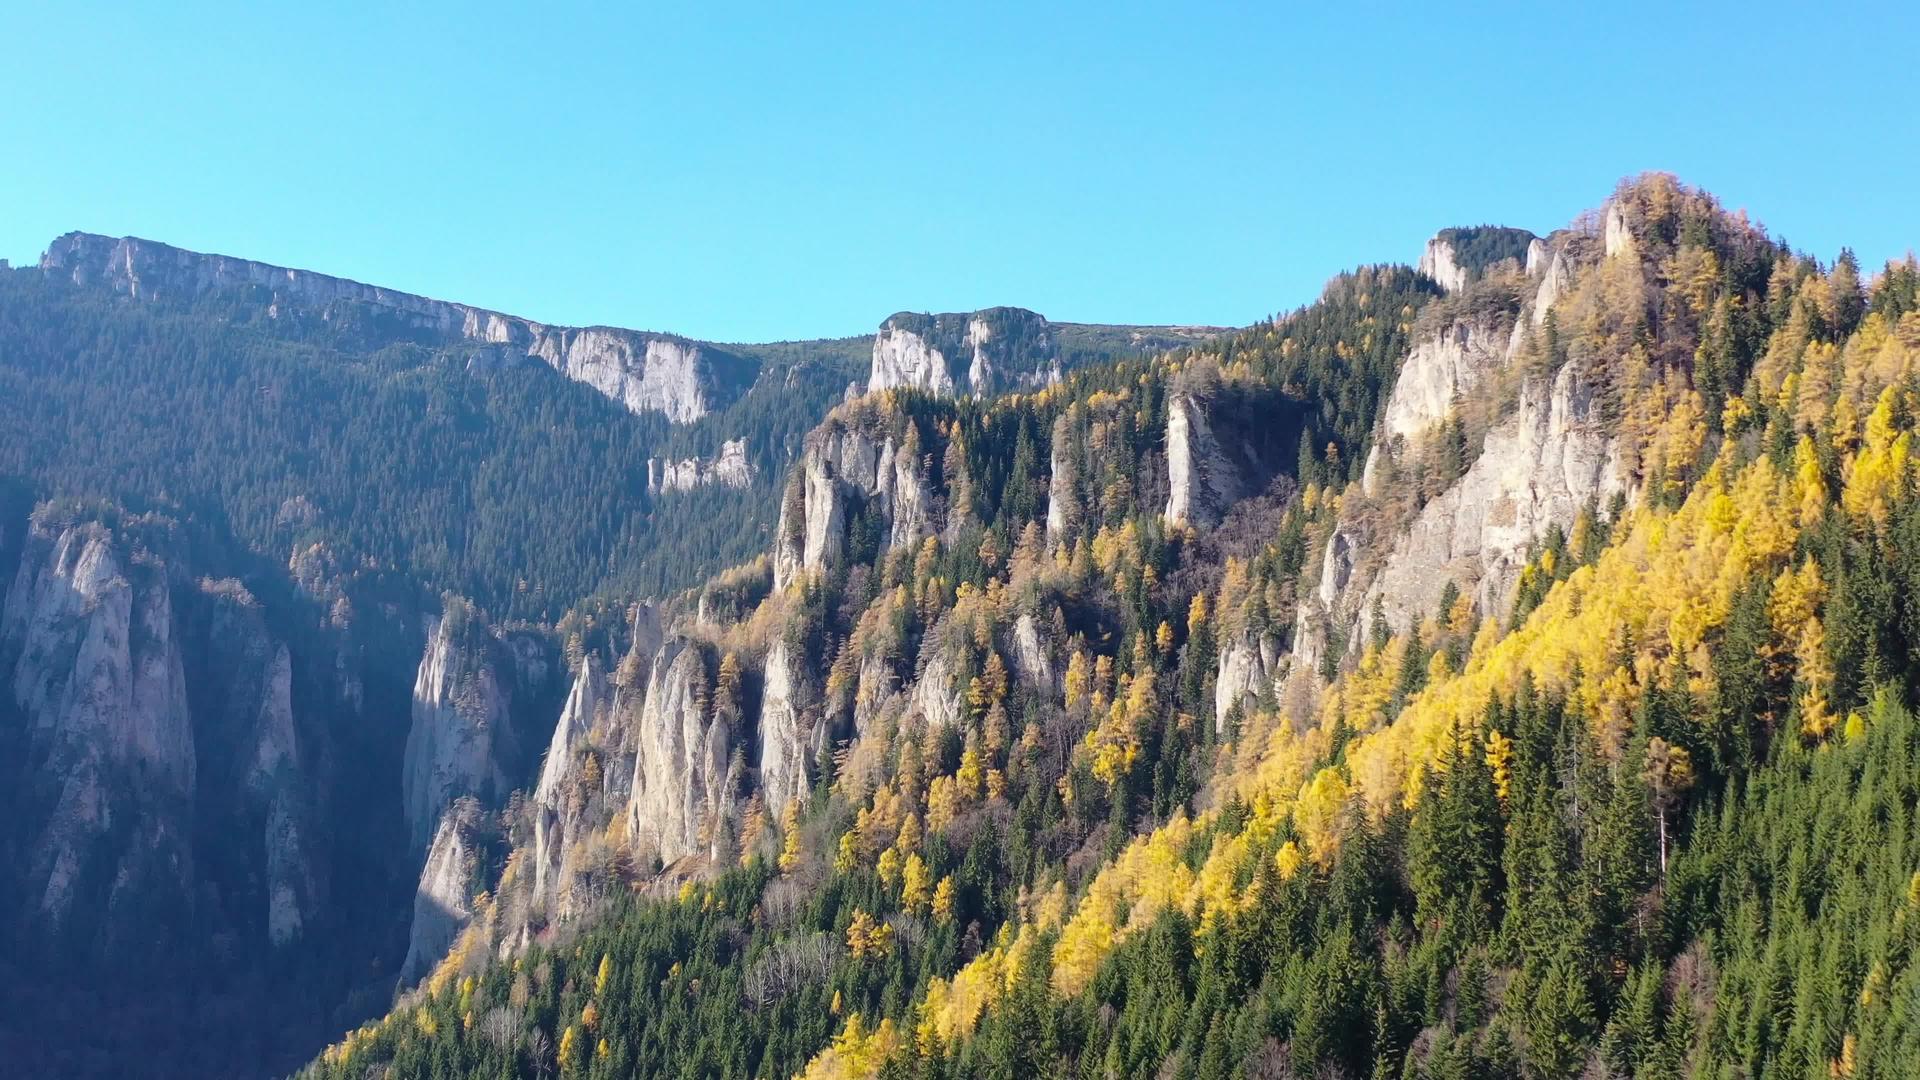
645	371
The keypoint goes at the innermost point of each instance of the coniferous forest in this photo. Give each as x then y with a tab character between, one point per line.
1511	677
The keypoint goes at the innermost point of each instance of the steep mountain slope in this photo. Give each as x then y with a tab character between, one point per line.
430	437
289	564
1443	679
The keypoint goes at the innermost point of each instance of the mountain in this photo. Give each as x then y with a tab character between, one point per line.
287	563
1495	667
1462	675
426	436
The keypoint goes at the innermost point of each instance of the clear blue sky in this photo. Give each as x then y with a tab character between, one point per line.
796	170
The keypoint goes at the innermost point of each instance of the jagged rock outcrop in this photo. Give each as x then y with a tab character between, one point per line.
903	356
1538	469
558	807
1456	258
644	372
443	902
787	733
1251	667
728	468
984	352
1202	481
462	729
1618	235
1438	262
1032	662
935	697
159	711
852	460
685	779
1440	370
877	685
94	667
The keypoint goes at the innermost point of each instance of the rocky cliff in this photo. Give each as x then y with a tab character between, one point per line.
462	737
1438	262
789	729
982	353
683	379
686	781
729	468
453	876
167	763
1540	463
1202	481
862	459
1002	349
1457	257
95	670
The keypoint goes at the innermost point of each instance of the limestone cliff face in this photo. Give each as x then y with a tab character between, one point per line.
1538	469
1619	237
158	708
1439	262
935	696
1440	371
1251	667
852	460
450	880
94	666
462	729
788	729
983	352
1202	480
645	372
728	468
567	787
1032	659
685	780
903	356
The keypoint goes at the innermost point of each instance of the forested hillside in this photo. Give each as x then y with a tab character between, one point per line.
1506	676
514	486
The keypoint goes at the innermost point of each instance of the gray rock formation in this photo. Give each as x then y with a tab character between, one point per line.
1538	469
786	730
449	882
684	779
462	726
1202	481
1439	371
728	468
1439	262
1032	661
852	456
644	372
94	665
935	697
1251	666
985	352
903	356
1619	237
249	748
558	819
